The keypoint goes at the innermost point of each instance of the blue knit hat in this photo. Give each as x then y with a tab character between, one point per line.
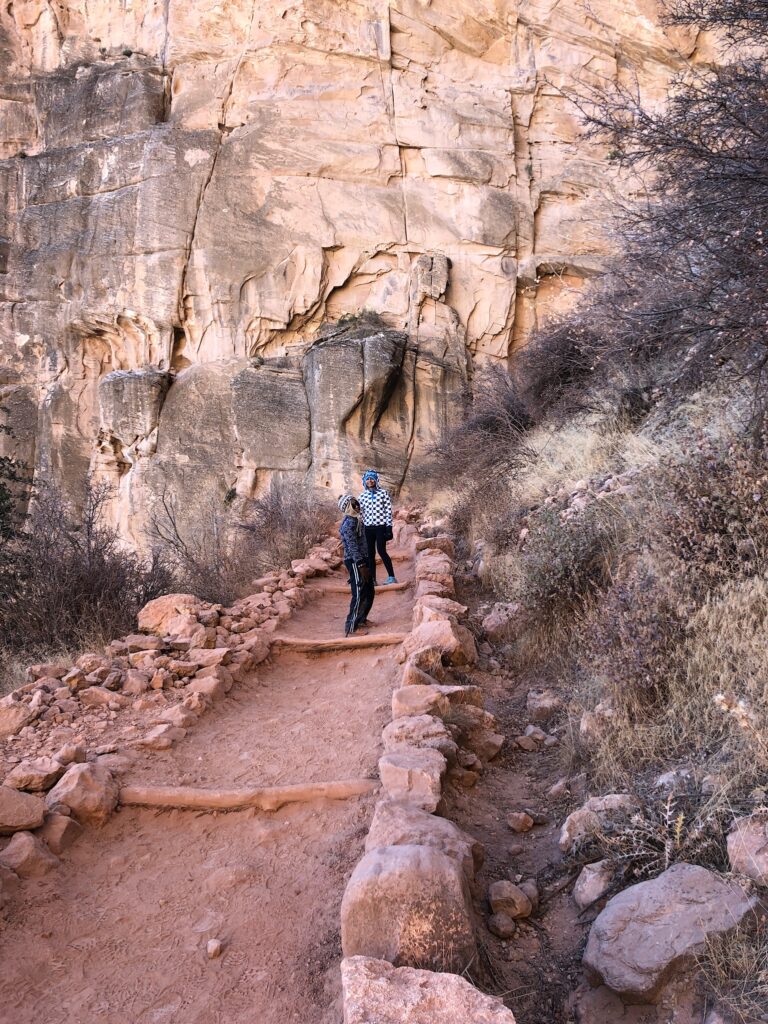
370	474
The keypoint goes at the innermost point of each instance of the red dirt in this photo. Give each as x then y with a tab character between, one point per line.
117	935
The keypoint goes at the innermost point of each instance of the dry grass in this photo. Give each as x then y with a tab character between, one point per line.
734	969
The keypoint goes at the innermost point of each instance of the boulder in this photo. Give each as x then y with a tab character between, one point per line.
653	930
156	616
70	753
502	925
19	811
462	695
59	832
419	700
419	731
178	715
38	774
435	567
375	992
409	904
28	856
396	823
595	814
423	667
477	730
414	775
542	705
89	790
441	543
455	643
213	682
593	883
14	715
136	682
748	847
499	624
507	898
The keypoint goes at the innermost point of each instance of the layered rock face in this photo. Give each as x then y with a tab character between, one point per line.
189	191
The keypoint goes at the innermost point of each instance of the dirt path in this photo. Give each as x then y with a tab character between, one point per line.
118	934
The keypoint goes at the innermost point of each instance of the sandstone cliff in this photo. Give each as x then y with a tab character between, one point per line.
190	190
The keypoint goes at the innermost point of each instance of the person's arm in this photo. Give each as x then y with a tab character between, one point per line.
388	508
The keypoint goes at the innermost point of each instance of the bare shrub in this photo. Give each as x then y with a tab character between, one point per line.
285	523
490	444
684	300
683	827
219	560
67	580
559	571
674	644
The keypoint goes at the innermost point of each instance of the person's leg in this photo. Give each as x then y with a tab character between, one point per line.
366	600
370	536
381	547
354	604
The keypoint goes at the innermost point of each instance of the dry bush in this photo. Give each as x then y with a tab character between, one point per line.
682	828
285	523
219	560
562	567
675	643
490	443
67	580
734	970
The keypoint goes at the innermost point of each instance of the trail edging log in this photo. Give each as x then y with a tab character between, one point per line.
296	643
266	798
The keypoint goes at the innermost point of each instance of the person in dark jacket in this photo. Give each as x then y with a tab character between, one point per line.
377	517
352	533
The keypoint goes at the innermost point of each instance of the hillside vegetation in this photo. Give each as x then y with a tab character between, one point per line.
619	510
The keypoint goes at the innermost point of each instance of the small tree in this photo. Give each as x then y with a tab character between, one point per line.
686	298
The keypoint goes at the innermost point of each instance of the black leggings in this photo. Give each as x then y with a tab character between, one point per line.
377	541
362	596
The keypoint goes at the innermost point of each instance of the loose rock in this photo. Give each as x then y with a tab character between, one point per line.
375	992
28	856
88	790
593	883
654	929
19	811
409	904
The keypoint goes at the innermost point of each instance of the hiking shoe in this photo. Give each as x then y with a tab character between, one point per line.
389	579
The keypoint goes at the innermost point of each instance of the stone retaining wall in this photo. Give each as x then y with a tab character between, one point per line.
62	733
407	923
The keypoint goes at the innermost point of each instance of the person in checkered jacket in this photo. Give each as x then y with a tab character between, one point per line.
377	517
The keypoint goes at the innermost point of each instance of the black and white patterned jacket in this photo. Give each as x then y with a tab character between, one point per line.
377	507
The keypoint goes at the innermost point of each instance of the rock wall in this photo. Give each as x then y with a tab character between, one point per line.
189	191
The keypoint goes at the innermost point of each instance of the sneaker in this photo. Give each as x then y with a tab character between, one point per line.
389	579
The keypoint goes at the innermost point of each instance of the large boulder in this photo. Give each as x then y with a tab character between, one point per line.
28	856
414	775
401	824
654	929
14	715
19	811
455	643
419	731
419	700
409	905
89	790
748	847
158	615
38	774
375	992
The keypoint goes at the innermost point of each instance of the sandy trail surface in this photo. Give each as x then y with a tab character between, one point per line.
118	934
